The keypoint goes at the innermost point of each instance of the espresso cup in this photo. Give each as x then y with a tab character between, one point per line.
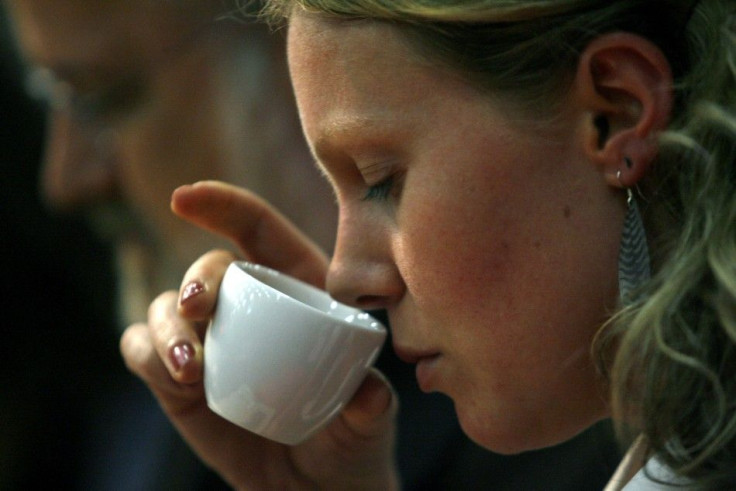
282	358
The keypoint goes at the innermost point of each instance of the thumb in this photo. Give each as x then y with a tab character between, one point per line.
358	447
373	407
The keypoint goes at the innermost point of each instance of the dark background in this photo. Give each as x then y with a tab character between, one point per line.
58	346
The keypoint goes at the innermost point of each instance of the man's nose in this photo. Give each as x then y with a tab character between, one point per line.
362	272
79	162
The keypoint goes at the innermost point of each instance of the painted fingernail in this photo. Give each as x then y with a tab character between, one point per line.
192	289
181	354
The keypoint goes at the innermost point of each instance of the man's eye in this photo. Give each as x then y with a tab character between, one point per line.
380	191
116	101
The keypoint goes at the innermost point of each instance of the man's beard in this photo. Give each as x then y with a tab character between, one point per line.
142	268
113	220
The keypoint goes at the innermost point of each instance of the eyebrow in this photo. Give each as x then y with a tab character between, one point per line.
369	130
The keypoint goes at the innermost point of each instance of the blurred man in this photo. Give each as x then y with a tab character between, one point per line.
145	95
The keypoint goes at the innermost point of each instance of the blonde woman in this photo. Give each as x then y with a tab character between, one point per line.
541	195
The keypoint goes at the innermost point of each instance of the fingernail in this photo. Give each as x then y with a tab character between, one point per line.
192	289
181	354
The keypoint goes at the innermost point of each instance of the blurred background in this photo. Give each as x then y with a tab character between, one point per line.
50	379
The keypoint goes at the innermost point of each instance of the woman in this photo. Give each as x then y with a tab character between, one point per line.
496	166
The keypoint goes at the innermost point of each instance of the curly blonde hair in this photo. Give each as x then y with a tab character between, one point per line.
674	372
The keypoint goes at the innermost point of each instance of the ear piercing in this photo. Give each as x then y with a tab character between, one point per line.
633	260
629	194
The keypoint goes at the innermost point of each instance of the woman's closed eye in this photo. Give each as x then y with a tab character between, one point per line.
381	190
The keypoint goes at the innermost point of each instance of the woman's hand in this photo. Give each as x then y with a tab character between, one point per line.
262	234
355	451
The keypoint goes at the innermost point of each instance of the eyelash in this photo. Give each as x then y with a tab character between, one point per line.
380	191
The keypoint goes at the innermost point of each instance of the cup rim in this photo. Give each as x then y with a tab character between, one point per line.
371	325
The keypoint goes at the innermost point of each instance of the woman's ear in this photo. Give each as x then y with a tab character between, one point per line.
625	84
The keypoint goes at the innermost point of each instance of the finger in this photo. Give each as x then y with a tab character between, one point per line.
183	403
198	293
139	355
143	360
371	409
175	339
216	440
358	446
263	234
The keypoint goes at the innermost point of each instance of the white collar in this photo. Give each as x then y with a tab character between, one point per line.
633	474
664	478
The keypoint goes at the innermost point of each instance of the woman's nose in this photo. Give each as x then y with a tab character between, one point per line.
79	166
362	272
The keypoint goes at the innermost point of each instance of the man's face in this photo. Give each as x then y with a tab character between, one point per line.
143	97
103	67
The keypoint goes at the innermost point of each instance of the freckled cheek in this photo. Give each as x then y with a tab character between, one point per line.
455	257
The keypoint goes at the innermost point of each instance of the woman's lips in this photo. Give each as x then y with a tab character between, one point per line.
426	365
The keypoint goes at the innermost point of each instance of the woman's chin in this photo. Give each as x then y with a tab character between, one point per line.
514	435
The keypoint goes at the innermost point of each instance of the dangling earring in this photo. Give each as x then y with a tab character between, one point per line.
633	257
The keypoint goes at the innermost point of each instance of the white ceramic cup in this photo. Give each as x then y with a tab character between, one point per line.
282	358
